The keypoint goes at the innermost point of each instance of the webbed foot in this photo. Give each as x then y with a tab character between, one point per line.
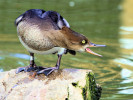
25	69
47	71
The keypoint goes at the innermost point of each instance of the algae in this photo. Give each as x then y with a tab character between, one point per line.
91	91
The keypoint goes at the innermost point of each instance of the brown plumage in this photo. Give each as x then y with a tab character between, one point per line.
47	32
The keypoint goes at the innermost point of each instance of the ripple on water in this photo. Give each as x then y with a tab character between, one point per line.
18	55
125	28
125	73
1	58
71	3
126	43
124	61
12	60
1	70
125	33
126	91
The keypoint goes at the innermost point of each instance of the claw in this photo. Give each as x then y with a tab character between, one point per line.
25	69
20	69
39	70
47	71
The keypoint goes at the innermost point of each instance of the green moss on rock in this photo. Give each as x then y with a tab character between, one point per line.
91	91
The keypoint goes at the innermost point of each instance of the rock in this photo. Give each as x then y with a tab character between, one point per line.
66	84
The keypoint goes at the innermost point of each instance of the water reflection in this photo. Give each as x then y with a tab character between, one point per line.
126	28
1	58
126	91
127	81
18	55
126	43
21	63
125	61
71	3
125	73
1	70
12	60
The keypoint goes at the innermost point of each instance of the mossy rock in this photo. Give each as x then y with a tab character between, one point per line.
91	91
64	84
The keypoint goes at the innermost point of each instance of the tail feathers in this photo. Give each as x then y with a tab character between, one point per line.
18	20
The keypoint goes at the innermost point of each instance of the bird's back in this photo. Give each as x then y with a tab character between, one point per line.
33	29
41	30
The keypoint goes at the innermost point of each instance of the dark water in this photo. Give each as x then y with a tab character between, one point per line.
102	21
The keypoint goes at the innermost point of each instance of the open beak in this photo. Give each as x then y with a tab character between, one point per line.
94	45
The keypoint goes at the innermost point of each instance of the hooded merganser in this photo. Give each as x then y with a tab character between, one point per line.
47	32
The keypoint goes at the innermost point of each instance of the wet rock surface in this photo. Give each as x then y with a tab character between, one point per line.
65	84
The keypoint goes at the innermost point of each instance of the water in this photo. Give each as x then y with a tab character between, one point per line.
102	21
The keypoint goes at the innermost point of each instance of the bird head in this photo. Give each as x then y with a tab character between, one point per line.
86	45
79	42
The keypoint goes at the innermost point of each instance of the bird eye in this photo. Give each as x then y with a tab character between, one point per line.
83	42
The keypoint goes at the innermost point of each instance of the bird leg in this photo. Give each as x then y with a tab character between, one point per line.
47	71
29	68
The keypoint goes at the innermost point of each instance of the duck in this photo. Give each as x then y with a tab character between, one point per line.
47	32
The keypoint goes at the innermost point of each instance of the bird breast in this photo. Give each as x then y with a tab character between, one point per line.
33	37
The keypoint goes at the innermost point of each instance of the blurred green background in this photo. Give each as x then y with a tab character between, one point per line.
106	22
